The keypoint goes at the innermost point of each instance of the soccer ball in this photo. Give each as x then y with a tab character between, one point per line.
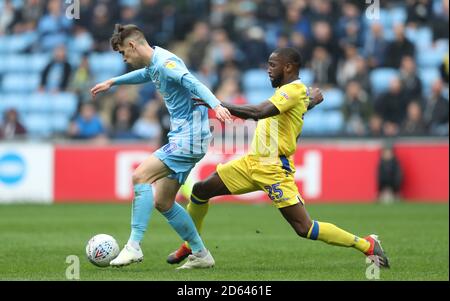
101	249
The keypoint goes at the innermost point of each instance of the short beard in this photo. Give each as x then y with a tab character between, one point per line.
276	82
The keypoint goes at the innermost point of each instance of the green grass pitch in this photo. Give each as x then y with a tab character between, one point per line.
249	242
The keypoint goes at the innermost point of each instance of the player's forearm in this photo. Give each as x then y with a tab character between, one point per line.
200	90
312	104
131	78
242	111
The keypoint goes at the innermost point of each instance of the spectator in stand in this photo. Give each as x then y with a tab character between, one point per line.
82	80
419	12
323	67
440	22
391	106
11	127
436	111
147	126
362	75
411	83
102	23
375	126
389	176
296	21
197	45
55	76
414	124
87	124
230	92
444	69
399	48
122	124
254	48
356	110
7	17
54	28
28	16
375	46
299	42
150	14
347	66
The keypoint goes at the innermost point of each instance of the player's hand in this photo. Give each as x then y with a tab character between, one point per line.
222	113
104	86
316	95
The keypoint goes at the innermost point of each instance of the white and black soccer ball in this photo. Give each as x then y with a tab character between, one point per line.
101	249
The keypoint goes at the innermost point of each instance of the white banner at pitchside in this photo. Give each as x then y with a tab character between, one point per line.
26	173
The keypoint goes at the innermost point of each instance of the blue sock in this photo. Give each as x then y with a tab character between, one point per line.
141	211
180	220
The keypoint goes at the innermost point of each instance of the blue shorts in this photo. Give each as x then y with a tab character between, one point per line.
178	160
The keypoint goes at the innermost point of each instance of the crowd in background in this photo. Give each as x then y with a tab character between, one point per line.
221	40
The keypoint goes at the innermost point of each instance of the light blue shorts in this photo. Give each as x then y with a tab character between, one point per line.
178	160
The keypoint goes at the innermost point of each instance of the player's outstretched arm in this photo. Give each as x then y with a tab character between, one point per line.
131	78
255	112
315	98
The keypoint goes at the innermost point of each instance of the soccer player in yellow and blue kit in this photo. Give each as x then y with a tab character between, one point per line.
167	168
269	165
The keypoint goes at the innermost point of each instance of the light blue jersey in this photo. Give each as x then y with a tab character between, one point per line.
189	131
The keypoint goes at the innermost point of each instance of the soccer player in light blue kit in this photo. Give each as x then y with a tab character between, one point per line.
168	167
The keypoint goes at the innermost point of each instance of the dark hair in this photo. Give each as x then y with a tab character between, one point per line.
291	55
121	32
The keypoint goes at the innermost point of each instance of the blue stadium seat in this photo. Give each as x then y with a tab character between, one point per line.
38	61
16	63
107	62
334	122
421	37
59	123
428	76
313	123
432	56
256	96
38	125
380	79
17	43
20	82
255	79
333	99
16	101
398	15
306	76
64	104
39	103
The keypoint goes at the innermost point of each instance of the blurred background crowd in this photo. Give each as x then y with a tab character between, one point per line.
383	73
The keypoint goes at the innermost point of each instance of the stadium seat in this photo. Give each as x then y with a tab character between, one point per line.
432	56
398	15
106	62
17	43
333	122
18	63
59	123
380	79
39	103
64	104
421	37
313	123
333	99
306	76
20	82
16	101
428	76
256	96
38	125
255	79
38	61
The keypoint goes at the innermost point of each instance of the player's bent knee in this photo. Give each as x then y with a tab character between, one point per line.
162	207
199	191
138	178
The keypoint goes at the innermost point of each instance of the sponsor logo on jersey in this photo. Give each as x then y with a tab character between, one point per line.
170	64
284	94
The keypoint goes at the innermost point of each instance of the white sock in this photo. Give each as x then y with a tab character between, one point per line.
201	253
134	244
